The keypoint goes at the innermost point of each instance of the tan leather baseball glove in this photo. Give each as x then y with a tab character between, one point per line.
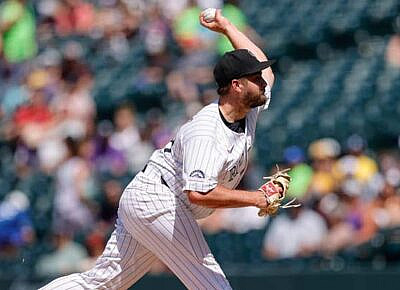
274	194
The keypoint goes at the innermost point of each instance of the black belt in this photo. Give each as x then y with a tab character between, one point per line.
162	179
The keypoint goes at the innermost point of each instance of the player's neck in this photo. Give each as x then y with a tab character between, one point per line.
232	113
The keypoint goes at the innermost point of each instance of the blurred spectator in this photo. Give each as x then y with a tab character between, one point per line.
193	69
17	28
74	105
157	130
172	9
237	17
95	244
126	133
242	220
155	31
114	26
323	153
214	223
324	148
35	112
66	258
351	221
297	233
33	120
73	203
109	206
393	51
14	96
301	173
384	211
390	167
238	221
357	172
127	139
391	205
362	226
15	222
51	152
107	159
356	163
340	232
74	16
208	96
73	67
187	28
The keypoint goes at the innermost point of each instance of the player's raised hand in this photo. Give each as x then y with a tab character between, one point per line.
218	24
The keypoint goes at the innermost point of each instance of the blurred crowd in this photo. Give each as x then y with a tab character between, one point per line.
348	194
50	125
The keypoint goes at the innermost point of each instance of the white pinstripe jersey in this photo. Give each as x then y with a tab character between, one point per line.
204	153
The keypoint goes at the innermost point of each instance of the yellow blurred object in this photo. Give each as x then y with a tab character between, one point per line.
366	167
324	148
38	79
361	168
323	183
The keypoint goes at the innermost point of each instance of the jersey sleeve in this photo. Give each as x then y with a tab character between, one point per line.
203	159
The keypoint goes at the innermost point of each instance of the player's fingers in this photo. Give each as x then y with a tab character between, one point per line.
209	25
202	21
218	14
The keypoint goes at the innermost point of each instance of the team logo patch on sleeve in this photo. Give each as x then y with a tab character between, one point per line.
197	173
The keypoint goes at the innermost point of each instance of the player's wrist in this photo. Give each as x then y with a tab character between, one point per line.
228	28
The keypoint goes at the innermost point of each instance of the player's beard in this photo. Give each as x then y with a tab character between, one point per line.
254	101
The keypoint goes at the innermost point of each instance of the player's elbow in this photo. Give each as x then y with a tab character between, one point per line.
195	197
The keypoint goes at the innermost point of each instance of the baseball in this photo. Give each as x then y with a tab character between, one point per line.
209	14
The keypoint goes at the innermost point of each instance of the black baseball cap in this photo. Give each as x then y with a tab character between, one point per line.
236	64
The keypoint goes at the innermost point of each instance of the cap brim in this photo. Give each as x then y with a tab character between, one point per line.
261	66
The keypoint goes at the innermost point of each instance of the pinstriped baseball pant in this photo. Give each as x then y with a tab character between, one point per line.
152	223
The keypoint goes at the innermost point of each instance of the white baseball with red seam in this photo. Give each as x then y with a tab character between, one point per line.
209	14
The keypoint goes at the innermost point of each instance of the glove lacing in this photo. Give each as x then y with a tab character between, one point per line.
279	172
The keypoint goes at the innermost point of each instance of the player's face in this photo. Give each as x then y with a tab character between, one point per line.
254	95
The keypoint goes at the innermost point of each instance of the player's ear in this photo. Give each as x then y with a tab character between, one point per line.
236	85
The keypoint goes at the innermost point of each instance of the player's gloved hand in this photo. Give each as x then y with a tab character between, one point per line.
219	24
275	192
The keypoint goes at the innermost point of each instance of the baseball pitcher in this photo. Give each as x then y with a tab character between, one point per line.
195	173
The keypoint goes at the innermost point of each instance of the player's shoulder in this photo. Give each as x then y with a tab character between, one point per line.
207	116
204	124
208	112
